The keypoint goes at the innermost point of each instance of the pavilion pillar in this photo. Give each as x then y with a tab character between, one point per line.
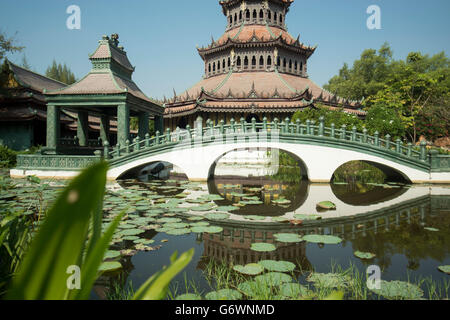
159	123
53	126
123	123
83	128
143	124
104	128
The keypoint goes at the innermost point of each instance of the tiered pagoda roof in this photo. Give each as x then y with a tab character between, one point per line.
111	74
255	66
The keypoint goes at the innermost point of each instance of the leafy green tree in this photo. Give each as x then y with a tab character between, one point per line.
7	45
60	73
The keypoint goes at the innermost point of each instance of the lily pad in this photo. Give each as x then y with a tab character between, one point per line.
130	232
398	290
294	290
212	229
111	254
273	279
278	266
224	294
329	280
287	237
179	232
318	238
254	289
326	205
217	216
251	269
110	266
364	255
307	216
279	219
189	296
445	269
263	247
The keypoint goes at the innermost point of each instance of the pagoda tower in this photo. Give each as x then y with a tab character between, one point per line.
256	69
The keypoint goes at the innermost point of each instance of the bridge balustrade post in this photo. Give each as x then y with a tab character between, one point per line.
388	141
297	126
308	127
253	124
127	146
157	137
243	125
333	131
409	150
232	123
106	150
398	145
343	132
221	127
264	124
423	150
287	123
321	126
189	133
354	133
118	149
138	144
434	159
376	138
275	124
168	135
365	135
147	140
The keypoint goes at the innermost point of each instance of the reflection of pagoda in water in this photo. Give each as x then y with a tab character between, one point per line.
233	246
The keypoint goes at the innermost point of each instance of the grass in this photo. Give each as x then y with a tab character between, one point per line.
220	275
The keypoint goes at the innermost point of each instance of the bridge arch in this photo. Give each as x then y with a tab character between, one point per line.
320	161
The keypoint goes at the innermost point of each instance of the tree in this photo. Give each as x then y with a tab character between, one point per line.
60	73
365	78
7	45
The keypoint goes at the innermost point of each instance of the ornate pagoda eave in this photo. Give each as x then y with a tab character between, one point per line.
228	3
296	47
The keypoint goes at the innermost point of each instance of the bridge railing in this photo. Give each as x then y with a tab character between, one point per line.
286	130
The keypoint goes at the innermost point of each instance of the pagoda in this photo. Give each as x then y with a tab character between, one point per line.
256	69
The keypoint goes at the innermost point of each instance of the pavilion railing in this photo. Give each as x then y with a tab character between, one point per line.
285	131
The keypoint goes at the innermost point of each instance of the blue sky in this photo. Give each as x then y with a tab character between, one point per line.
160	37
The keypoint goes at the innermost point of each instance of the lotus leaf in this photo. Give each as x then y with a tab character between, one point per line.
168	220
318	238
111	254
278	266
327	205
329	280
110	266
445	269
217	216
307	216
398	290
250	269
294	290
288	237
278	219
364	255
226	208
224	294
273	279
213	229
178	232
130	232
188	296
263	247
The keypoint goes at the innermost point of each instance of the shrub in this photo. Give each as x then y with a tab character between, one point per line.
7	157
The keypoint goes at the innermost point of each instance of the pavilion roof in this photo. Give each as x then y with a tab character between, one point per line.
111	74
32	80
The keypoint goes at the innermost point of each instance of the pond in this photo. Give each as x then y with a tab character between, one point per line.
402	229
405	227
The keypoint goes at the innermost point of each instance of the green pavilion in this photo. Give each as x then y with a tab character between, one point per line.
107	92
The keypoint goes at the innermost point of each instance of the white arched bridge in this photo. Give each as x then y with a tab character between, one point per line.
321	150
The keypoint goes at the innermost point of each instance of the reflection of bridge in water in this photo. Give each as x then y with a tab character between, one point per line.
233	244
